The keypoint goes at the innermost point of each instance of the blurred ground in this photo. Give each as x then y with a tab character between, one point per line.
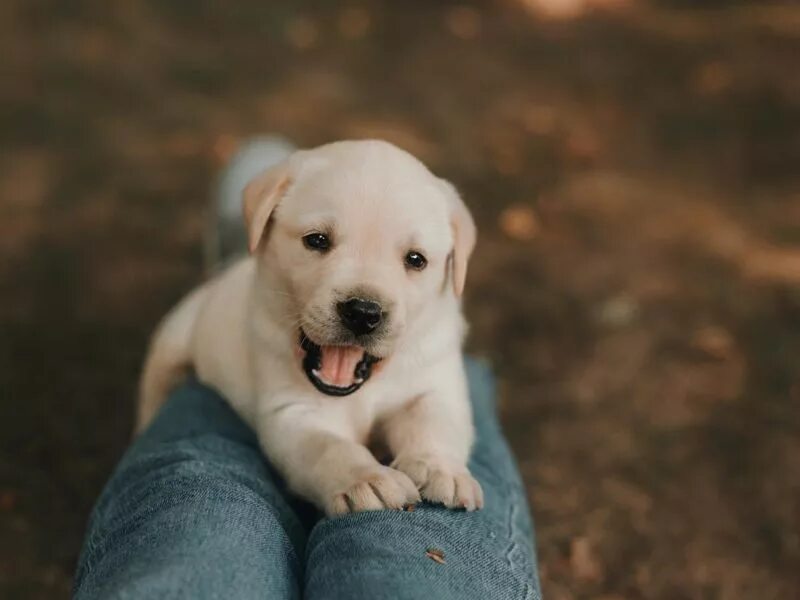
634	170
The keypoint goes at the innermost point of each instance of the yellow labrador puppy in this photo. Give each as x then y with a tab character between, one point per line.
342	330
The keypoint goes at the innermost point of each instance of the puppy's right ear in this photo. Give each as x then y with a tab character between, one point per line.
260	198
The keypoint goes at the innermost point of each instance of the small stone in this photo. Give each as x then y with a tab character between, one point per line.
619	311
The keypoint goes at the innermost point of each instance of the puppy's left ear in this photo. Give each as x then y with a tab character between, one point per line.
464	235
259	199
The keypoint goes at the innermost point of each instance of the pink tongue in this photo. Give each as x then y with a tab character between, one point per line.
339	364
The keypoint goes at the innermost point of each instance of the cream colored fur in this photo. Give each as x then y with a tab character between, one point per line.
239	331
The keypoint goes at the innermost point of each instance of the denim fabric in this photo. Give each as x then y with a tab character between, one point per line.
193	511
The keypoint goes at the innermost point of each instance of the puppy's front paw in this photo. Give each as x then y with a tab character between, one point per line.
442	481
375	489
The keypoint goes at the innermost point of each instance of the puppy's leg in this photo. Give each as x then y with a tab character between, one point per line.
168	358
330	468
430	439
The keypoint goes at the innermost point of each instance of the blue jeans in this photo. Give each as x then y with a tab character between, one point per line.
193	511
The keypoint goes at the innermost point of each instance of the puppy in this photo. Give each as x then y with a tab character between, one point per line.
341	330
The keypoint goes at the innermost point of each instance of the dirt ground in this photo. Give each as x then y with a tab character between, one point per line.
635	174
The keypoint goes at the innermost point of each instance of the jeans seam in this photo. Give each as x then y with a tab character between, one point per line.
512	536
514	546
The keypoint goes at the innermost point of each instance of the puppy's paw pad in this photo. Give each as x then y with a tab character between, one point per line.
377	489
440	482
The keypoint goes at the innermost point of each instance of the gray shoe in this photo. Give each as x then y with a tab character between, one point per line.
226	238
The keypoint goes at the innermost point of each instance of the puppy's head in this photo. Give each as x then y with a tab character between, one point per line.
361	240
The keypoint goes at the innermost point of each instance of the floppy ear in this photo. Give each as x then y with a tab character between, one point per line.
259	199
464	235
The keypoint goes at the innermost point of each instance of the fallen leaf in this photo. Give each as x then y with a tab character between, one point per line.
776	265
302	33
507	162
713	341
571	9
582	144
354	23
556	9
463	22
224	147
8	500
519	222
712	78
584	563
435	555
540	120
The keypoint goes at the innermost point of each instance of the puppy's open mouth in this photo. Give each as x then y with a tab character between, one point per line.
336	370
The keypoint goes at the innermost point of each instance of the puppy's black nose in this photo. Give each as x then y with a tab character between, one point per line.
360	316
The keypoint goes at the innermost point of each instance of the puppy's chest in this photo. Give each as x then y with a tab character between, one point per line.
391	391
362	413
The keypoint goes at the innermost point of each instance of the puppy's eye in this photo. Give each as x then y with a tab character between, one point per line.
317	241
415	260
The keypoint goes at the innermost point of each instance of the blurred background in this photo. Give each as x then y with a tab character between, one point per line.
634	168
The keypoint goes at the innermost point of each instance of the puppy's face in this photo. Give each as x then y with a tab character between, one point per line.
360	239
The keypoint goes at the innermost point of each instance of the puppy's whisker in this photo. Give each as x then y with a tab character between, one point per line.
295	323
417	357
276	292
